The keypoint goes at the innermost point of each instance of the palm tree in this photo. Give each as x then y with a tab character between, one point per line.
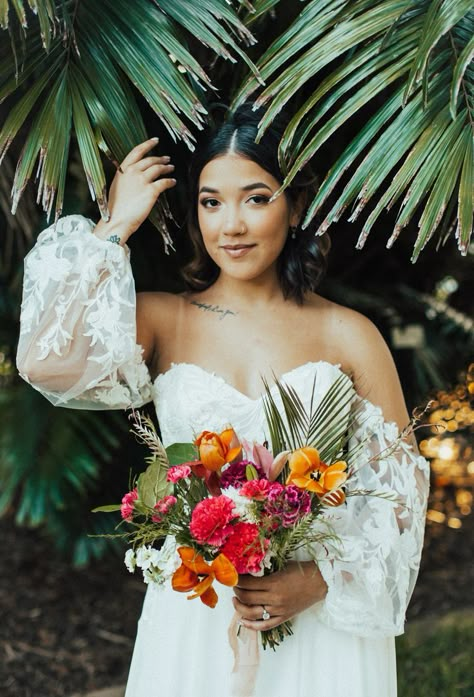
407	63
411	63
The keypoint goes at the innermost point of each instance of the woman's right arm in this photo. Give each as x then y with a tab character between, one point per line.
78	339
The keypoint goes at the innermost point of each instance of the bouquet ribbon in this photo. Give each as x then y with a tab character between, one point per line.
244	644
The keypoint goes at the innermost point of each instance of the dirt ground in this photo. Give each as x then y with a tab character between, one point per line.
66	631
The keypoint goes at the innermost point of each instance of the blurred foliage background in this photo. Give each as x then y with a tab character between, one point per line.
381	96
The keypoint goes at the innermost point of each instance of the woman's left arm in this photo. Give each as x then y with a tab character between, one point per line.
367	579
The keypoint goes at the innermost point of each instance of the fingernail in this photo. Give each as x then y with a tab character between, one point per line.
155	138
166	158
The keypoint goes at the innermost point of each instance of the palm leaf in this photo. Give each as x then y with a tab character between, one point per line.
96	55
419	57
327	425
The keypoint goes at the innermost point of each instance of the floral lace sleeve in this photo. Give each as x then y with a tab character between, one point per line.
372	572
78	329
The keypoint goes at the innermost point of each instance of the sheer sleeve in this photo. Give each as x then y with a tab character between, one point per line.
372	571
77	341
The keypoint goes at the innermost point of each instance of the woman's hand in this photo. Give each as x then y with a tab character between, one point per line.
134	191
282	594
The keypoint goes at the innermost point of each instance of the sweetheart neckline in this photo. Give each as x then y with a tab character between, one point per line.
213	374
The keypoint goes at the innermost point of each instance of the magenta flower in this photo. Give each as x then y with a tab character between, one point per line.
126	509
289	503
210	520
178	472
236	474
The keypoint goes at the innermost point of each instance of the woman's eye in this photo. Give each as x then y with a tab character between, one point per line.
209	202
259	198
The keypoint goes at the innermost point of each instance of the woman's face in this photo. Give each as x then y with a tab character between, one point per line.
242	231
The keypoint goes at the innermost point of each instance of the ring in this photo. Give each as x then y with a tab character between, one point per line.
265	613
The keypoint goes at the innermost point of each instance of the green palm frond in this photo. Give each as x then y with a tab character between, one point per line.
72	69
414	62
326	425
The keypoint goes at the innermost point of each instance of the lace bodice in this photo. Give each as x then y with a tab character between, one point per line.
78	347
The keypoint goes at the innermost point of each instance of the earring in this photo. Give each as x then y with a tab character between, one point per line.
293	232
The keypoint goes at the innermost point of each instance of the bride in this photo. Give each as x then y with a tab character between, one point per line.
250	312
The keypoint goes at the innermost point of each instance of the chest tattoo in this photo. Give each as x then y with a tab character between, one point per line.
206	307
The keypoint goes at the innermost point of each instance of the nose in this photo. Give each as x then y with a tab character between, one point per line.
233	223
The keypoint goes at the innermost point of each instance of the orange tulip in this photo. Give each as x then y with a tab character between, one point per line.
195	574
217	449
308	472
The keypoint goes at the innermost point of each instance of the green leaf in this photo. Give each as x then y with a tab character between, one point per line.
152	484
464	60
440	17
177	453
466	195
111	508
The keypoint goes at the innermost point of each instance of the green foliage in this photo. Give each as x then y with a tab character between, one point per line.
325	427
72	67
51	464
413	61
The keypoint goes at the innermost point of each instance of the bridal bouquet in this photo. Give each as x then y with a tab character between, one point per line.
207	511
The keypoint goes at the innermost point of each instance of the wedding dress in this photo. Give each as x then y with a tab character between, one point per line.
77	285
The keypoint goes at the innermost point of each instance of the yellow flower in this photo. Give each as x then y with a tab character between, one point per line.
307	471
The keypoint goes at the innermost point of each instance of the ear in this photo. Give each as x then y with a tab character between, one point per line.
297	209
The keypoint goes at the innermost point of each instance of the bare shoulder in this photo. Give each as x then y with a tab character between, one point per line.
156	312
362	350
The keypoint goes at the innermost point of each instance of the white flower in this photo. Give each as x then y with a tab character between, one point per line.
144	557
158	565
130	561
243	505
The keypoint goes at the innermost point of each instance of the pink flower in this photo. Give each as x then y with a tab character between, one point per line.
289	503
257	489
178	472
163	506
210	520
244	548
126	509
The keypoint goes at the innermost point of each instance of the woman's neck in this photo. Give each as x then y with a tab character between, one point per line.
247	294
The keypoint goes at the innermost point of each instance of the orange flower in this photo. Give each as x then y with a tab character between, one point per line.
215	450
197	575
308	472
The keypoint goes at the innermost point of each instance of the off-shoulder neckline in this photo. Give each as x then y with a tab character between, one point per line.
213	374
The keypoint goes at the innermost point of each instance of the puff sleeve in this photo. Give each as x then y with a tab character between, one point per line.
371	573
77	342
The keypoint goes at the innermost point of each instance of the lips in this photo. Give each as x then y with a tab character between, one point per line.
237	250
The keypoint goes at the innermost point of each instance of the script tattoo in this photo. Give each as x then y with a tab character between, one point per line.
213	308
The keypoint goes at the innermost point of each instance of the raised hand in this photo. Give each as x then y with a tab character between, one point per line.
134	191
282	594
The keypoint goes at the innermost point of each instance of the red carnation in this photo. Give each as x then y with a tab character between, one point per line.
210	520
244	548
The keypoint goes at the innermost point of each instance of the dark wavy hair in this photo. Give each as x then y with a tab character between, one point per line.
303	260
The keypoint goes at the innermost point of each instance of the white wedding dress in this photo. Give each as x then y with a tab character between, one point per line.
77	285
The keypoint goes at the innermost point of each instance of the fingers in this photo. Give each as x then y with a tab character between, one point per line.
156	171
147	162
138	152
251	616
163	184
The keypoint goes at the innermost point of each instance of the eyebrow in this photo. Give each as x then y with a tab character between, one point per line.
248	187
